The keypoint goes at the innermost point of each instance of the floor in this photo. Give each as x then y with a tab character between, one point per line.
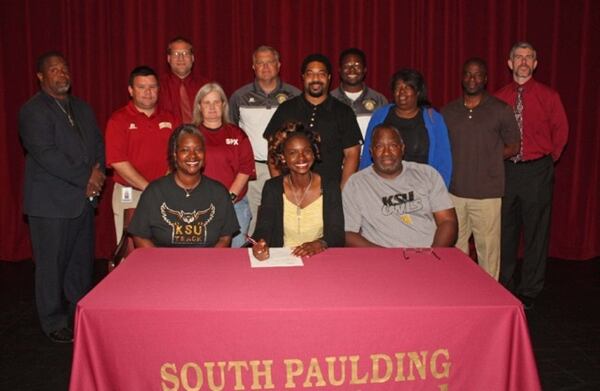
564	327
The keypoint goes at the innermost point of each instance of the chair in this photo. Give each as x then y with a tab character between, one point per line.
125	245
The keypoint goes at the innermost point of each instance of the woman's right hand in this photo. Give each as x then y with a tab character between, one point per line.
261	250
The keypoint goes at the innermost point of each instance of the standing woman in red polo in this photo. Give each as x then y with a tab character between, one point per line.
229	157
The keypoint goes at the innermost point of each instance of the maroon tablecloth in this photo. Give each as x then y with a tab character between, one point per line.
349	319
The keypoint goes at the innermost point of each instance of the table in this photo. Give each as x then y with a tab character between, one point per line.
349	319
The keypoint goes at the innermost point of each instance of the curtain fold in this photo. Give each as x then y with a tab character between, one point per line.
104	39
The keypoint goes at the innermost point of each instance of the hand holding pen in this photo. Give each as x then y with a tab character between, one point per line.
260	248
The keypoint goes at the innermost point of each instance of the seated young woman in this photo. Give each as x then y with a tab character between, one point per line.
298	209
184	208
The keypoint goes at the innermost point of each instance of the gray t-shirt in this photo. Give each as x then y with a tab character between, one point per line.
395	212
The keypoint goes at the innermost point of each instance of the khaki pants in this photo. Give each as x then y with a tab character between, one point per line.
118	207
255	192
481	218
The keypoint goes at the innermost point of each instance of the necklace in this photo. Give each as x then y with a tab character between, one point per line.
188	190
299	200
67	113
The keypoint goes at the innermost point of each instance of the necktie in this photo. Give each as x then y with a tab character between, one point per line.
184	102
519	117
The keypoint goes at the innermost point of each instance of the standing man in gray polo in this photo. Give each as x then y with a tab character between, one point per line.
251	108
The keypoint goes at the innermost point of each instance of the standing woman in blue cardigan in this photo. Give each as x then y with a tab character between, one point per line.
298	209
423	129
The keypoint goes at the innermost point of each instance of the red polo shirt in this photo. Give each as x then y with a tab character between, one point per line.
141	140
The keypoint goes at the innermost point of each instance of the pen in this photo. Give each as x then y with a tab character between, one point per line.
252	241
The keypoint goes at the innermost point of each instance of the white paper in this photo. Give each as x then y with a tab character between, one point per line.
278	257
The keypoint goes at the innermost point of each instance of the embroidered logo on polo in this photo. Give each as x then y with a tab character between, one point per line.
281	97
232	141
164	125
187	227
132	126
369	104
402	205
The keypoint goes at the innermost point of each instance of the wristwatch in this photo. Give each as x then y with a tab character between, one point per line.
233	196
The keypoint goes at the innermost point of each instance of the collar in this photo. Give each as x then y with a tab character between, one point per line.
527	86
259	90
134	110
326	103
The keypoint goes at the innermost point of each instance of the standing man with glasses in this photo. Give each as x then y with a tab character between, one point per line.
180	85
64	175
353	90
527	200
251	108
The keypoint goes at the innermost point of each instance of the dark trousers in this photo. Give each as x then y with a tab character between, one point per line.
63	252
526	205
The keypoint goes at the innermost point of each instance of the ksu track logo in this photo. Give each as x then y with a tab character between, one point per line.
187	227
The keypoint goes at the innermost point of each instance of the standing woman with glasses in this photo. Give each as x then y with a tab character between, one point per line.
229	157
298	209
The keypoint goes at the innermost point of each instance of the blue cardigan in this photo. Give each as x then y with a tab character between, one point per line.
439	156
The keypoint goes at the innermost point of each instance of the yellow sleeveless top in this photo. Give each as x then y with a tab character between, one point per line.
301	225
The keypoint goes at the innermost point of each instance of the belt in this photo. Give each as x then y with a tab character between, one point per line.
260	161
531	160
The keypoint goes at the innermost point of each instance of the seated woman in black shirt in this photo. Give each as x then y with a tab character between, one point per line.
298	208
184	208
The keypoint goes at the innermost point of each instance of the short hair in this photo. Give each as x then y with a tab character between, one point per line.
202	92
356	52
415	79
179	132
265	48
477	61
316	57
288	131
386	126
522	45
41	61
142	70
179	38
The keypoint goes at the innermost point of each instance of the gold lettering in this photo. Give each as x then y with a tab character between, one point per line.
210	375
445	366
443	387
416	363
331	370
314	371
266	373
354	372
400	366
170	377
178	229
290	373
238	365
197	229
184	376
188	229
375	377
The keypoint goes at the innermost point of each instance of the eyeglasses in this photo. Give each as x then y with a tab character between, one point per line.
265	63
182	54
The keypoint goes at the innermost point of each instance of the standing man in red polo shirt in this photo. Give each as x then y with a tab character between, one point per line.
180	85
137	136
530	174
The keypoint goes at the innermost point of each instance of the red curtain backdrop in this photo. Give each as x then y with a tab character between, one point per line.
104	39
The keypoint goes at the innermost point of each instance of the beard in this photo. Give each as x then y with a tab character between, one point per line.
316	93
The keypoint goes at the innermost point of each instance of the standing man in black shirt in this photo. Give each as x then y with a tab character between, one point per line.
334	121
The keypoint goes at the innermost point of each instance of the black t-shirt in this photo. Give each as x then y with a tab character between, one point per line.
415	136
332	119
169	218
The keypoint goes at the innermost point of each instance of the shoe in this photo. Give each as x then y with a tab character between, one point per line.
63	335
527	301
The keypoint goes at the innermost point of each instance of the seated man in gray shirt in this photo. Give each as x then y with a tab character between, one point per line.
394	203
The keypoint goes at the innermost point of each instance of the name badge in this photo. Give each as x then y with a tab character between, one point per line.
126	195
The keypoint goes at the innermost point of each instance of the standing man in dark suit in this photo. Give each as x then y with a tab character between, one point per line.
63	178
